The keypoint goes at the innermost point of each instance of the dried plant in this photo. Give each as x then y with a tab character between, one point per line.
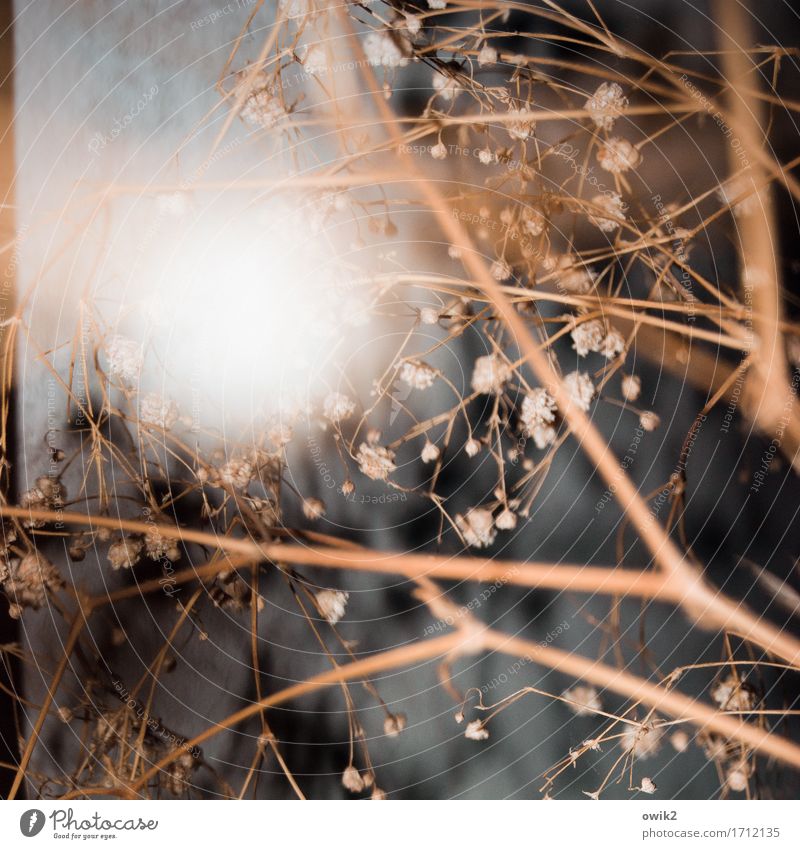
514	251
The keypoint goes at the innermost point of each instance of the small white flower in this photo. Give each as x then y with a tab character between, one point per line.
381	49
445	86
501	270
313	508
487	55
429	315
618	155
437	4
613	344
280	435
124	358
430	453
543	436
375	461
737	779
439	151
490	374
262	108
236	472
417	375
315	61
631	387
485	156
648	786
574	277
606	105
332	604
476	731
394	724
581	389
612	204
733	694
506	520
533	221
352	780
680	741
585	698
477	527
538	408
337	407
48	493
522	128
649	421
472	447
27	580
413	23
158	411
125	553
158	547
588	336
743	188
644	741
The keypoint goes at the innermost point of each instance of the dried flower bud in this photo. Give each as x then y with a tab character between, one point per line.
487	55
606	105
375	461
125	553
124	358
158	411
476	731
680	741
649	420
644	741
338	407
737	778
631	387
583	700
506	520
610	203
477	527
490	374
352	780
332	604
618	155
581	389
417	375
386	49
394	724
429	453
313	508
648	786
472	447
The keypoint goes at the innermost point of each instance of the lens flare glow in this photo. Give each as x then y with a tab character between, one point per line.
248	310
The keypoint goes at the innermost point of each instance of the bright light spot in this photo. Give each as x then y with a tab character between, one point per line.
248	312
